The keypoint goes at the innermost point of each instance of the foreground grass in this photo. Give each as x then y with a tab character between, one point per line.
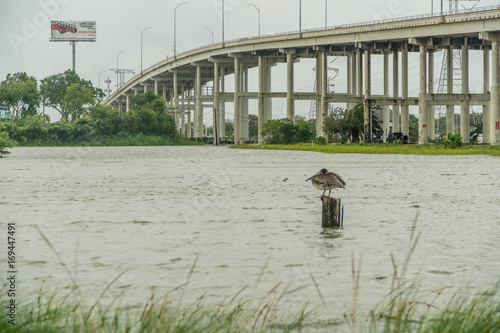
382	149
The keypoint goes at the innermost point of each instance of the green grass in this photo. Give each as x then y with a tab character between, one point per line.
432	150
111	141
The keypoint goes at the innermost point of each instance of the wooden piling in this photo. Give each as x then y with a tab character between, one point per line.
332	212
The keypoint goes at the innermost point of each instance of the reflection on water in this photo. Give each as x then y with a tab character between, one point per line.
151	212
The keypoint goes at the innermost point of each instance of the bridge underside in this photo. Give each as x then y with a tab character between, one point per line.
181	80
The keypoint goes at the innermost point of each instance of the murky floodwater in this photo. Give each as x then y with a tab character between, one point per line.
153	212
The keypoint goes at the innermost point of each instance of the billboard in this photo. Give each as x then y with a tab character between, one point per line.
73	31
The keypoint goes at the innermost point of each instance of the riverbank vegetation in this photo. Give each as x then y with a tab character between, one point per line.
432	150
84	122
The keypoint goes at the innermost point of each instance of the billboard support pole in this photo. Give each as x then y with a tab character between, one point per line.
74	56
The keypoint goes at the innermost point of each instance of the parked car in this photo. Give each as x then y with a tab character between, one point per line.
397	136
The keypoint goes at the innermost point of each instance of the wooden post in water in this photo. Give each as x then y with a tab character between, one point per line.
332	212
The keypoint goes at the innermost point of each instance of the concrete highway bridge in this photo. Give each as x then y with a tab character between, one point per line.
182	80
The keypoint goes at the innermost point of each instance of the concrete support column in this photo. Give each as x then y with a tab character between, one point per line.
156	88
261	98
216	115
465	105
145	90
319	90
222	104
359	54
349	78
324	92
405	114
189	133
237	104
386	115
367	104
395	90
198	108
354	77
244	120
422	103
127	103
290	102
268	102
176	99
495	95
183	124
450	109
164	92
486	88
431	122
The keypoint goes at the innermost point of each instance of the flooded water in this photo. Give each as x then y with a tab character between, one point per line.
222	219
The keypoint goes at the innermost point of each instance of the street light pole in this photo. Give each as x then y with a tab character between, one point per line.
326	13
99	82
258	12
213	41
300	16
175	27
118	70
142	35
223	14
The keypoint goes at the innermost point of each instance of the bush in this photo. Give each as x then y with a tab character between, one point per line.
321	140
4	144
453	141
284	131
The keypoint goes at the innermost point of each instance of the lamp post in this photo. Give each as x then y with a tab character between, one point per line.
175	27
223	14
326	13
118	70
300	16
99	80
213	41
258	11
142	35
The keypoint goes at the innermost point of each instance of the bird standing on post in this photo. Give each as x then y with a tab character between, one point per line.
326	180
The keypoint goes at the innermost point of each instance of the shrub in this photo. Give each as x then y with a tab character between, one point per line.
453	141
4	144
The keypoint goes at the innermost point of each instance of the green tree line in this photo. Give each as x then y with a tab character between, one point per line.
83	120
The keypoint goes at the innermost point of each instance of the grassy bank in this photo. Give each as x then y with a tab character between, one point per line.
382	149
112	141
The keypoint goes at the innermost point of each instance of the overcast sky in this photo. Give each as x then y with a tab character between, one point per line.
25	30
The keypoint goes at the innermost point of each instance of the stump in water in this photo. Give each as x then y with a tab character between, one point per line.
332	212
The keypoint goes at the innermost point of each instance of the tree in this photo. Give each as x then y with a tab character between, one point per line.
349	124
20	93
253	125
69	94
284	131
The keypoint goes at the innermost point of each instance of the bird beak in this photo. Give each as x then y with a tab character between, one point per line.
308	179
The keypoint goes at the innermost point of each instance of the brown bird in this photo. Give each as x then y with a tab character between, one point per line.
326	180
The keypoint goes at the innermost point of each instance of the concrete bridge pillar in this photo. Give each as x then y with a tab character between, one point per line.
495	94
368	91
486	88
222	103
268	102
290	102
405	114
237	104
354	78
156	87
189	133
422	103
127	103
349	79
359	62
245	105
386	112
216	114
319	90
164	92
465	104
450	109
395	90
175	97
431	122
198	109
324	92
260	98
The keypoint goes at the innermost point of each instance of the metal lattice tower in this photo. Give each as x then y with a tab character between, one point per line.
121	76
330	89
457	62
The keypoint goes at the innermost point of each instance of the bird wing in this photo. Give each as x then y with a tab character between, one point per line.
341	181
